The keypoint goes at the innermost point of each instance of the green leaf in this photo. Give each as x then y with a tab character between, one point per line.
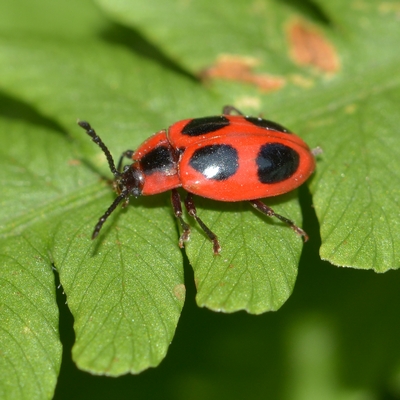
126	293
31	348
235	29
257	267
359	227
126	289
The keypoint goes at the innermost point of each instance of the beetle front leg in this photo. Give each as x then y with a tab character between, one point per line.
260	206
126	154
191	208
177	207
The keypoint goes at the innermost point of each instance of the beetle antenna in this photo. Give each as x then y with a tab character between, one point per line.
103	219
92	133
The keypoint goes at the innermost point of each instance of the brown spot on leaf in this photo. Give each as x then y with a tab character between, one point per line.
309	47
74	162
240	69
180	291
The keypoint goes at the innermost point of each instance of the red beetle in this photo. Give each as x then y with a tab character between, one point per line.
225	158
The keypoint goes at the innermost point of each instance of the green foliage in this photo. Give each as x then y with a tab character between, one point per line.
131	69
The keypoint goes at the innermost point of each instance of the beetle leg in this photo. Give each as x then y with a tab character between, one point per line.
228	110
191	208
260	206
177	206
126	154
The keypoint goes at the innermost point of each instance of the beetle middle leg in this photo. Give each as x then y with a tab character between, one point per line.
191	208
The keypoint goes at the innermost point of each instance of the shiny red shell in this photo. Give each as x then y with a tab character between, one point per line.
238	133
225	158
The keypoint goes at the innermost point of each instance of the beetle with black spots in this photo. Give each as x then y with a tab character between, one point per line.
226	158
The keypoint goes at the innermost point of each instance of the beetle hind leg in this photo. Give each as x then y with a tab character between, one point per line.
229	110
263	208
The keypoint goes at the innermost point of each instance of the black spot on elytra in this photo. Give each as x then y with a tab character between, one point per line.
216	161
270	125
202	126
158	160
276	162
